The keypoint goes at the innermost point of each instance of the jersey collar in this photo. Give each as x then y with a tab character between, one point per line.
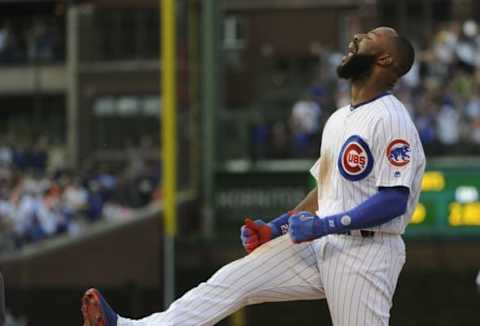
353	107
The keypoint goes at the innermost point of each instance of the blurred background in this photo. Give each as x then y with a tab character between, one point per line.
81	157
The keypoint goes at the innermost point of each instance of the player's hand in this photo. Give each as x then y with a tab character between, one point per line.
255	233
305	226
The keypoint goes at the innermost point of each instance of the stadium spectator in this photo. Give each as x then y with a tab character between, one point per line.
9	47
75	197
57	157
41	41
38	156
94	201
305	122
6	155
448	125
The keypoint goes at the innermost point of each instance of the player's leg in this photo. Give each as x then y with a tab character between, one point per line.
277	271
360	276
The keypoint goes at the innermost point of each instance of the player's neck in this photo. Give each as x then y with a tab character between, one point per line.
365	90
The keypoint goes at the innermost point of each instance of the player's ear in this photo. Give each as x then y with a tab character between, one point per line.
385	60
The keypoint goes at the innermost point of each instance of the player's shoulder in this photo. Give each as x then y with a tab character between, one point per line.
340	113
389	105
391	110
337	116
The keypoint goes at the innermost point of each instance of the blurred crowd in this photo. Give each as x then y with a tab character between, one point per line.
36	40
40	198
442	93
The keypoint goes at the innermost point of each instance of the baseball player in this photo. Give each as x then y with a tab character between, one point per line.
343	242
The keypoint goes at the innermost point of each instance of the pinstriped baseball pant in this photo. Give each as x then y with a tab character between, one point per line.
356	275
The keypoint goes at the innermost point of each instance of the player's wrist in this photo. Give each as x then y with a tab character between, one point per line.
303	227
279	225
333	224
275	230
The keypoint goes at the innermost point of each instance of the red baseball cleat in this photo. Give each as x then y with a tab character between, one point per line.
96	311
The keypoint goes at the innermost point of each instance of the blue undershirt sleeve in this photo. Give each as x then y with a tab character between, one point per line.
385	205
280	224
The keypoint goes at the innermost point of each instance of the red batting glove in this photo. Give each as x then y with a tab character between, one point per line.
254	233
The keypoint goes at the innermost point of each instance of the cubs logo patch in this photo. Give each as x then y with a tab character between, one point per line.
355	161
398	152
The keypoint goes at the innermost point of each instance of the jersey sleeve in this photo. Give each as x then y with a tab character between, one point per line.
315	170
398	152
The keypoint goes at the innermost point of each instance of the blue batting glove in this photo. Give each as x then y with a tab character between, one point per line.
305	226
301	226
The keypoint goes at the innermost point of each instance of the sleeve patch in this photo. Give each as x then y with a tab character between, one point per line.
398	152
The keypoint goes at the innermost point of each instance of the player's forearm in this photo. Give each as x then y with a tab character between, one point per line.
382	207
309	203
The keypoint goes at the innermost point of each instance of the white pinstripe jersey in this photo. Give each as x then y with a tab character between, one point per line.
374	144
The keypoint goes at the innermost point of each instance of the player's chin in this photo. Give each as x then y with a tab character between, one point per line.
342	71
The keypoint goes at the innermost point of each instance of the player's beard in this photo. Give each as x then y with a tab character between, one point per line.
358	67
